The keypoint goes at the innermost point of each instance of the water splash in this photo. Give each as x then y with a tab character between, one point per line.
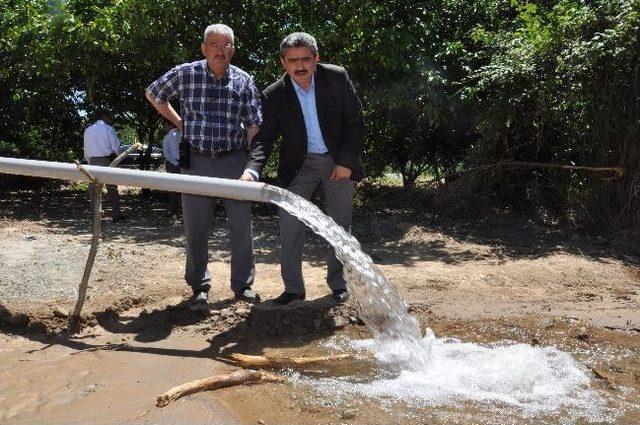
501	379
381	307
432	371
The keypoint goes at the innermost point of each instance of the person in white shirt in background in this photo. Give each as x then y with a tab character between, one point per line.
171	152
100	144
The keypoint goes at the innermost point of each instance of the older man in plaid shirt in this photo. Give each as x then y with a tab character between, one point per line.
219	116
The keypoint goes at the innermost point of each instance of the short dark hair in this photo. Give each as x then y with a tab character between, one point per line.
299	39
102	114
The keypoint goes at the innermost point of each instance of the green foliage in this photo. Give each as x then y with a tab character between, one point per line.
37	110
446	85
562	87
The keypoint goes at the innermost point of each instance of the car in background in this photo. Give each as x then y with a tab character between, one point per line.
132	160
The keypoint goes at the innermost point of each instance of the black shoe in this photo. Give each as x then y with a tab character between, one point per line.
199	301
340	295
248	294
287	297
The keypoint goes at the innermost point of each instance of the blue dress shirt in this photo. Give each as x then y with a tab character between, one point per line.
315	142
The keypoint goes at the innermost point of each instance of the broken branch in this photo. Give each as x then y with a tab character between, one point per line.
266	361
123	155
238	377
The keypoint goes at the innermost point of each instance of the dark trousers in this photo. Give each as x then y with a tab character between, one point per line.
112	191
173	198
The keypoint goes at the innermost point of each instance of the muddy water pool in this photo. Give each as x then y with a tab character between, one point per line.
496	380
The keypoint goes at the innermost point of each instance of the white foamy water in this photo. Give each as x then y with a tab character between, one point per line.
434	372
531	380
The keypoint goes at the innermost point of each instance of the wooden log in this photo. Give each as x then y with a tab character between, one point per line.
238	377
267	361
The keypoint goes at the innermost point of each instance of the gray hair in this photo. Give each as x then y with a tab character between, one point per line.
221	29
299	39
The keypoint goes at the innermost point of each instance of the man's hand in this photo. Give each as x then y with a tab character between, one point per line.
247	177
340	173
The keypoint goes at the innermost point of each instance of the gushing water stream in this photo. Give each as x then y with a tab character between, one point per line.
433	371
381	307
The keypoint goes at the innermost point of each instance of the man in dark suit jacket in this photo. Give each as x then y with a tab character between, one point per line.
316	110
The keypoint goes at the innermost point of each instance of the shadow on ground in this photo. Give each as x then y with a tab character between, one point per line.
231	327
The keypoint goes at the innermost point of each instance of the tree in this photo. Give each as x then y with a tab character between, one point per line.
561	86
37	102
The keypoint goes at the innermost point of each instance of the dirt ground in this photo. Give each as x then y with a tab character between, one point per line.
484	281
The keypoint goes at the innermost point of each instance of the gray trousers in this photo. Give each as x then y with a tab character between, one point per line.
112	191
197	214
315	171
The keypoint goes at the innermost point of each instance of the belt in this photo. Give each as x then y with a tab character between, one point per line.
218	154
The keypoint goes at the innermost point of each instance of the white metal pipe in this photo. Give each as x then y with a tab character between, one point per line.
194	185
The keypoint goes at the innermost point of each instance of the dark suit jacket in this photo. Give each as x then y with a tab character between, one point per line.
339	114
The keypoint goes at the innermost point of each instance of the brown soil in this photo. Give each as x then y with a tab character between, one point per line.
496	279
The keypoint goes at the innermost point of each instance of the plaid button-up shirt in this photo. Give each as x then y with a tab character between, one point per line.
215	113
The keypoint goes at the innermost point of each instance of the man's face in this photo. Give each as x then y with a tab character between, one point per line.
218	49
300	64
